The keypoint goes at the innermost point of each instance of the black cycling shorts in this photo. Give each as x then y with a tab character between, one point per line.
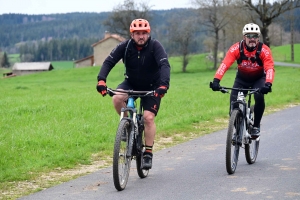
150	103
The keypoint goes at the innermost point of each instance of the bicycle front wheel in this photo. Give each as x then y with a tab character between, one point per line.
251	149
233	141
143	173
121	161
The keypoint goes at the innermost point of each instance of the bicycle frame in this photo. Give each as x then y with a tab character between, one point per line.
132	116
242	105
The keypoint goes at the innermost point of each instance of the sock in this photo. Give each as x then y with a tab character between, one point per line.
148	150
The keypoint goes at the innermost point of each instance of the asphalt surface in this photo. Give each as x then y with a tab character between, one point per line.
196	170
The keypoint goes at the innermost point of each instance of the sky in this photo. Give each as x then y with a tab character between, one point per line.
34	7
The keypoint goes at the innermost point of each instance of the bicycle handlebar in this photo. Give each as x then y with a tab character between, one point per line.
135	93
225	89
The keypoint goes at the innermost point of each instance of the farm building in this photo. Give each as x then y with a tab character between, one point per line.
31	67
101	50
84	62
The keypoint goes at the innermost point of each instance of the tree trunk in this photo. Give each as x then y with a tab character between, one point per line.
224	45
292	39
264	32
185	62
216	49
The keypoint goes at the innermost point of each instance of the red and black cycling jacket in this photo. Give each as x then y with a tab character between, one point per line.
248	69
145	69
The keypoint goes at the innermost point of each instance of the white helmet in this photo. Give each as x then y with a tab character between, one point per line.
251	28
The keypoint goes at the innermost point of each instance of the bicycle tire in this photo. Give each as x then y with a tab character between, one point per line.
251	149
143	173
121	161
233	141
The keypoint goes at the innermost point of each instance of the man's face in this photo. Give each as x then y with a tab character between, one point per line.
251	39
140	37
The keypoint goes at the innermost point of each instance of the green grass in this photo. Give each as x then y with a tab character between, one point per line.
63	64
13	58
56	120
283	53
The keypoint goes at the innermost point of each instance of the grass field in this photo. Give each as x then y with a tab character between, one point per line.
283	53
56	121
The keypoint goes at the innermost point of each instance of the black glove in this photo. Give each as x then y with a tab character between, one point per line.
161	91
266	89
102	88
215	86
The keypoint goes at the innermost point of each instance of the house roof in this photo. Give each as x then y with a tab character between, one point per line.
33	66
108	36
86	58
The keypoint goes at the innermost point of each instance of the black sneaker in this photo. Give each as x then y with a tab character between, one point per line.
255	132
147	160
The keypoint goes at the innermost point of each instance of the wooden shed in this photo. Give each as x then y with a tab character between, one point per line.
85	62
103	48
31	67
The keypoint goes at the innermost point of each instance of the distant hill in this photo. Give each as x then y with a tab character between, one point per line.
18	28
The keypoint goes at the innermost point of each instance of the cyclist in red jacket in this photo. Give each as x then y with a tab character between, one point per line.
255	69
147	68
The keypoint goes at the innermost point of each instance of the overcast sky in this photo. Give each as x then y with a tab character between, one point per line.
67	6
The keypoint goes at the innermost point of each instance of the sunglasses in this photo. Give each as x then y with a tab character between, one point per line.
255	36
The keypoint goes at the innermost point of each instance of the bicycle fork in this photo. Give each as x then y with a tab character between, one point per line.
131	136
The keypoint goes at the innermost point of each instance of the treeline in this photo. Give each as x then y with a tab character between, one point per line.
70	36
18	28
55	50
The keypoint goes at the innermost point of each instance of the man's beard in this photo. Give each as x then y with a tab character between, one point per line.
141	45
252	47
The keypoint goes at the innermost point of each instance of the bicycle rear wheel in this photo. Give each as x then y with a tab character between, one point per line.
251	149
121	161
233	141
143	173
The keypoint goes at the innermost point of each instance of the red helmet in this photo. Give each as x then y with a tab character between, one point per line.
140	25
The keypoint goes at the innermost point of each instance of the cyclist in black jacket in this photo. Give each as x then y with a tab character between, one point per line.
147	68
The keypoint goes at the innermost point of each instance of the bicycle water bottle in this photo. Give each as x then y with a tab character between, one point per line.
130	103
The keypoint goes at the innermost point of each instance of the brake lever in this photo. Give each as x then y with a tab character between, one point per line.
110	92
223	90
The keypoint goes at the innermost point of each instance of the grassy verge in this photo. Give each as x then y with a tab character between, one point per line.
283	53
55	126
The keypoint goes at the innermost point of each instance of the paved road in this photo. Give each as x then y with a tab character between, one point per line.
286	64
196	170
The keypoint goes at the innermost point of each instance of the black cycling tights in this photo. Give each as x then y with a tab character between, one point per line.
259	107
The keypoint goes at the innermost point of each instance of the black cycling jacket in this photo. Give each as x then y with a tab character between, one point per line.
144	69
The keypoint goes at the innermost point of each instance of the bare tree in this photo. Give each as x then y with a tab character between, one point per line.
267	12
123	14
181	34
215	16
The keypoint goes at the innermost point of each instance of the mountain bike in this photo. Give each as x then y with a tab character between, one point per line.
239	129
129	140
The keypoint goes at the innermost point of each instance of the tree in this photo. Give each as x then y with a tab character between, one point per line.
182	36
266	12
214	15
5	62
123	14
